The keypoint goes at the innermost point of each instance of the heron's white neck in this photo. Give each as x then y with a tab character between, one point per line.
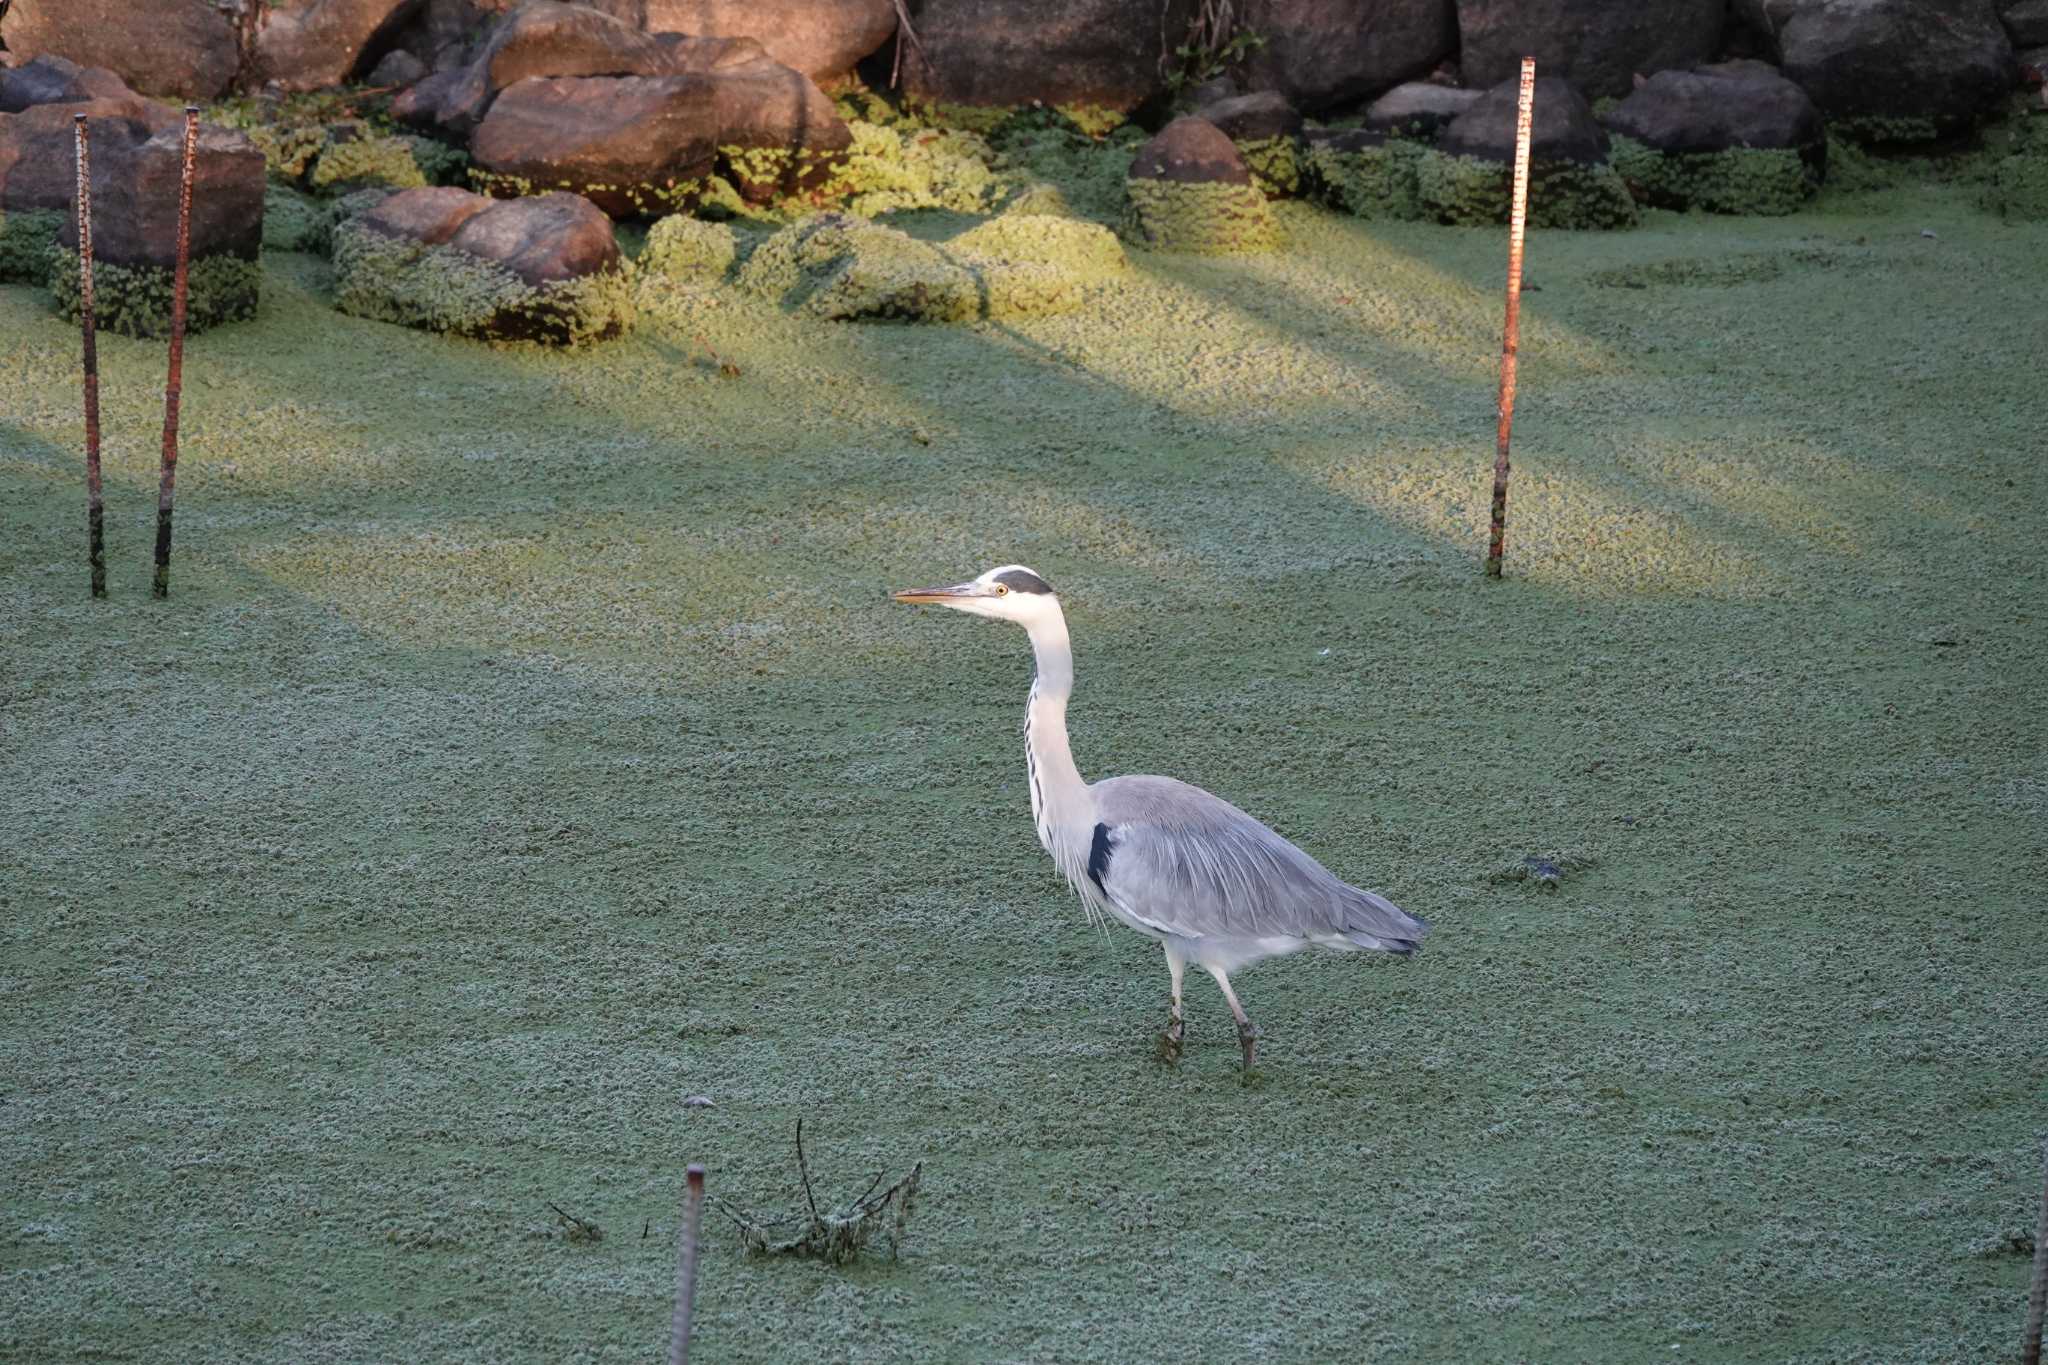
1059	797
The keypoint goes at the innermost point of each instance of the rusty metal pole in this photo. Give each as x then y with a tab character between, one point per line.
686	1269
95	503
1518	215
2037	1301
167	480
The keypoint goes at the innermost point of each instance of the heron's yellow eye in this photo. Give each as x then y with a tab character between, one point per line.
1002	591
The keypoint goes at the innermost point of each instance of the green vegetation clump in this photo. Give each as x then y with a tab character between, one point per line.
365	161
1089	174
888	170
2016	182
27	241
1562	194
1769	181
440	163
838	267
689	250
1276	164
441	289
1204	218
1373	182
291	220
135	300
1039	199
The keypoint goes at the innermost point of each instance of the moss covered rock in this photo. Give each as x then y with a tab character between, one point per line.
1733	138
1267	133
1190	191
689	250
545	269
840	267
2017	185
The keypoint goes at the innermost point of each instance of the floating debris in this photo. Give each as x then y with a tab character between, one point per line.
837	1235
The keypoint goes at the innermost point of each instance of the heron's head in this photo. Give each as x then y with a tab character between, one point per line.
1008	592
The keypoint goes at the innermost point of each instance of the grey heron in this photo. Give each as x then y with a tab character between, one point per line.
1182	867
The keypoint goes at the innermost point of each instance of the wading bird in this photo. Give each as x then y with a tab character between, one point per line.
1180	866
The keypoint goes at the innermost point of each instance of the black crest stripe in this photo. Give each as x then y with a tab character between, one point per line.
1023	580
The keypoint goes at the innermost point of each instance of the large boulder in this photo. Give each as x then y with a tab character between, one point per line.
1597	45
1562	126
183	48
2026	21
1190	191
310	44
545	268
1737	138
1418	109
38	103
135	179
1467	176
1011	53
1891	71
821	38
641	146
541	38
1320	53
1267	132
50	79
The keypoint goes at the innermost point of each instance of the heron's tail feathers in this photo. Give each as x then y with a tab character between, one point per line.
1378	924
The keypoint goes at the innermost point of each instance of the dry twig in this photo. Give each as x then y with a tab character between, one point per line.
836	1235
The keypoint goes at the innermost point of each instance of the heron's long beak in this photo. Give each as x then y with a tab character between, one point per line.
940	596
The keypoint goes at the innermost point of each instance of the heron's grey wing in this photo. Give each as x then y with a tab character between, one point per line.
1192	864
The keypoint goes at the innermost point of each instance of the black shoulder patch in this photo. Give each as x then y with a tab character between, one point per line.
1023	580
1098	858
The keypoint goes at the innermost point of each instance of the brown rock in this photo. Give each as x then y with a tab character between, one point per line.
1191	151
36	146
1321	53
638	145
1418	109
1597	45
311	44
1012	53
135	194
182	48
1253	118
821	38
541	239
431	215
1562	128
50	79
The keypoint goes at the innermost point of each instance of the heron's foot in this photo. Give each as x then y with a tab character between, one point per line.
1248	1039
1170	1039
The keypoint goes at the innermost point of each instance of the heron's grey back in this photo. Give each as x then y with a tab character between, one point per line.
1196	865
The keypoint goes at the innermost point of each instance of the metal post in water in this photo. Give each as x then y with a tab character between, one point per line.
95	503
1518	215
167	479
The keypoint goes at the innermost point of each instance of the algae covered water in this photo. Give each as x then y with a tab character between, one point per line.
532	745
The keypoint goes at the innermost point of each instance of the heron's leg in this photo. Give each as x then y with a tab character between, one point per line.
1176	1028
1247	1031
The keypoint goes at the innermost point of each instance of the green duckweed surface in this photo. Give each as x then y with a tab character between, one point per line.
529	745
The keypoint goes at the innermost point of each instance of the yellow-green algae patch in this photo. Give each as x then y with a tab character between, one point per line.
364	161
528	720
1748	180
1201	218
689	250
889	169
